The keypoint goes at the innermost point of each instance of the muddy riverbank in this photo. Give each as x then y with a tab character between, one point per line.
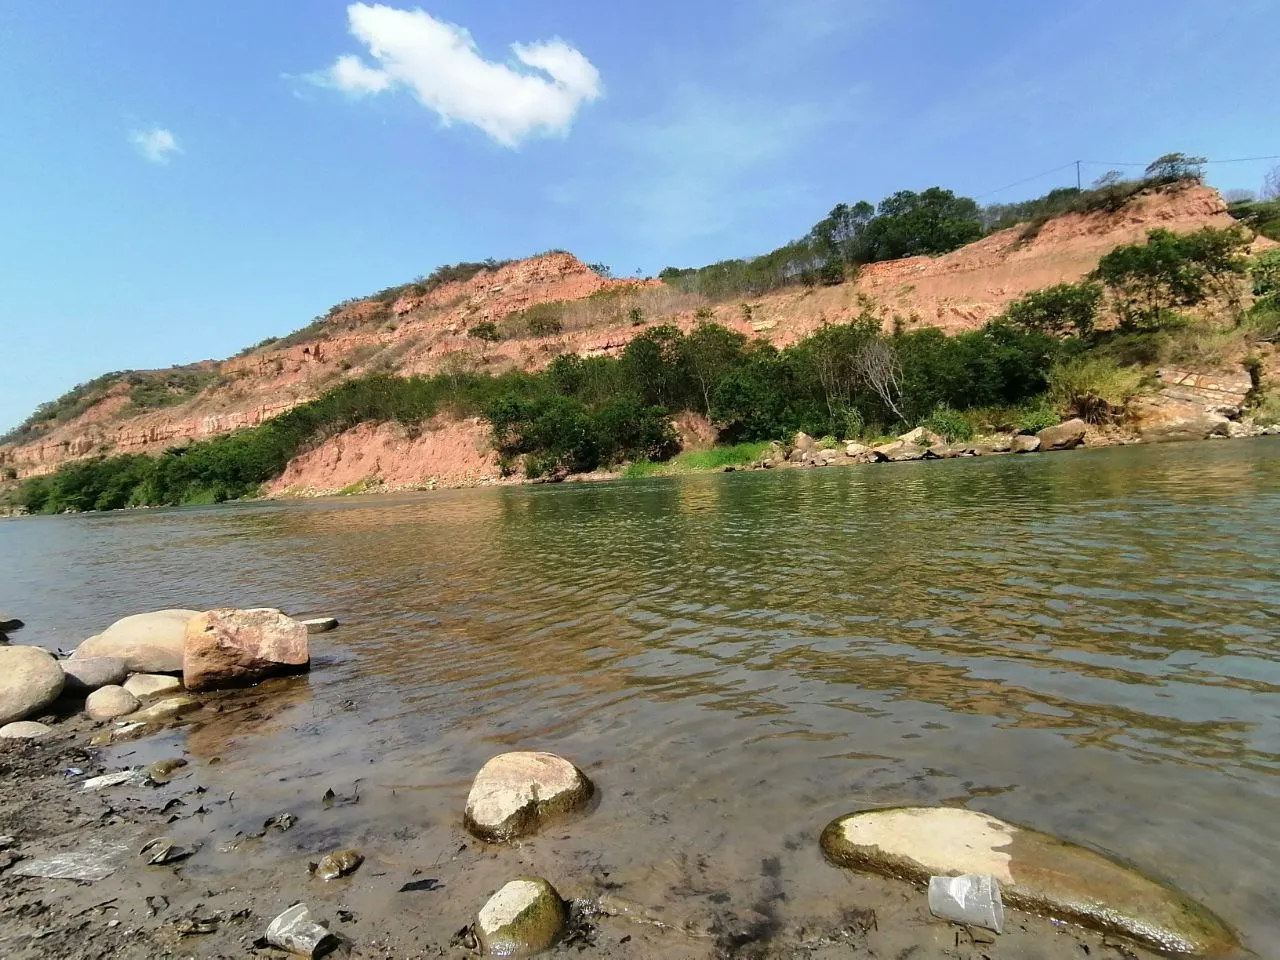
419	886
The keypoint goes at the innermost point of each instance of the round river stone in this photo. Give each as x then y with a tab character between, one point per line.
516	793
146	642
1037	873
525	917
91	673
30	680
109	702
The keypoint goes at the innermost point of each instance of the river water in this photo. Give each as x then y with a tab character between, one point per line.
1084	643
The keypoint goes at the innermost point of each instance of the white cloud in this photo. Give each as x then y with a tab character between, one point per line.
440	63
156	144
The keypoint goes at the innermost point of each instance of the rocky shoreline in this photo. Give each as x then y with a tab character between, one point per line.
104	850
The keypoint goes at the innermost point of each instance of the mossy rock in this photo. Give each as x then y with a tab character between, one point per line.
515	794
525	917
1037	873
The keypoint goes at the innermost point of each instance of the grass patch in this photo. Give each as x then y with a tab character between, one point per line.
699	461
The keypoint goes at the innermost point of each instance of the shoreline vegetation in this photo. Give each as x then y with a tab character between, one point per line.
1084	350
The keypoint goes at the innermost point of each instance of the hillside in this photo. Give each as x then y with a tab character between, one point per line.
410	330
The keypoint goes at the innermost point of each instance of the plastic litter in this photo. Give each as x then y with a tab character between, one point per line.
296	932
972	898
88	864
114	779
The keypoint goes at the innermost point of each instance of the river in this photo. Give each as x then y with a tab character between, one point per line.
1087	643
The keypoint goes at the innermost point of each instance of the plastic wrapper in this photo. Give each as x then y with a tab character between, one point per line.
972	898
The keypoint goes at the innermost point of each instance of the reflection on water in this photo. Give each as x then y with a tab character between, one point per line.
1085	643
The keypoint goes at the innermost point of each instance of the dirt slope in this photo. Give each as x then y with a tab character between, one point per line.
420	334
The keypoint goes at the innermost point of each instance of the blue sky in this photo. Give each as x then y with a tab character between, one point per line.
179	180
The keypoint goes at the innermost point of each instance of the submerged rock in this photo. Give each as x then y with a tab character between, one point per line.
514	794
1024	443
1064	436
146	642
338	864
84	676
109	702
24	730
30	680
165	709
148	686
228	648
523	918
1037	873
320	624
9	623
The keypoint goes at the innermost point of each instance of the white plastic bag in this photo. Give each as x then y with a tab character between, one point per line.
970	898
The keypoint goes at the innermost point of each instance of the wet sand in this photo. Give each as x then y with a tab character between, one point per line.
422	881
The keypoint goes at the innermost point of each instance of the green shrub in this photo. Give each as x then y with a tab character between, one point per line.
1036	418
1265	271
1063	310
486	331
545	326
1095	389
948	423
1147	280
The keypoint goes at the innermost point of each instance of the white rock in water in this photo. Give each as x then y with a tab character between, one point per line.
320	624
166	709
1037	873
525	917
515	793
145	686
24	730
30	680
146	642
109	702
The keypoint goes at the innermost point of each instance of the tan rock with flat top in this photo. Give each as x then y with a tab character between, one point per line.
230	648
1037	873
146	642
516	793
147	686
1064	436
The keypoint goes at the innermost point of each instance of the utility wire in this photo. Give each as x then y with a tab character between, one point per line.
1109	164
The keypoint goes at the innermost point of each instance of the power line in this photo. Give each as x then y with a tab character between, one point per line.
1108	164
1027	180
1135	163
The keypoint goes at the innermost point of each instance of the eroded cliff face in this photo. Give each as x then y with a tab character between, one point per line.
427	333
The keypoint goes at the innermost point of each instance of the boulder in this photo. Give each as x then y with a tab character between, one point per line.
24	730
109	702
922	437
165	709
1024	443
898	451
9	623
803	442
146	642
1165	420
320	624
84	676
860	452
30	680
525	917
1037	873
228	648
516	793
1064	436
148	686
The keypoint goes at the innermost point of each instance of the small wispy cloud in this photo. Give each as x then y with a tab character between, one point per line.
155	143
440	64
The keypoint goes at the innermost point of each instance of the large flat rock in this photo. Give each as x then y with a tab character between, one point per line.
146	642
229	648
1037	873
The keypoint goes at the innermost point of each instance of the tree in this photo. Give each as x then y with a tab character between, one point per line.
1062	310
1169	271
487	333
601	270
1271	184
1173	167
708	353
